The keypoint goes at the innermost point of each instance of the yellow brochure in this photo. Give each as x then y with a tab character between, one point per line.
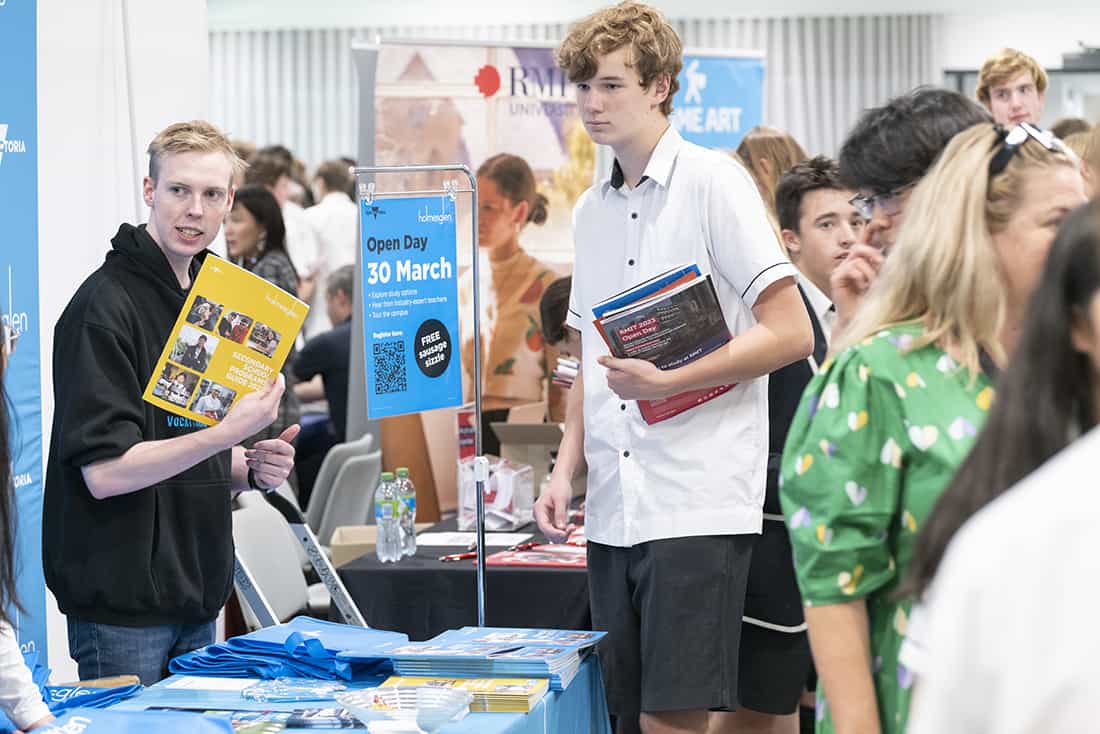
231	338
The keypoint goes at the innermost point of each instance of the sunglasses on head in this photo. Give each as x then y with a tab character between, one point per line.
1010	140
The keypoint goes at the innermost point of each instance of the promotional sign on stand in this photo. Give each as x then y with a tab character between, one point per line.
410	305
19	305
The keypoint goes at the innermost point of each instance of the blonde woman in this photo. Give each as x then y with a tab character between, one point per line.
768	153
882	428
1087	147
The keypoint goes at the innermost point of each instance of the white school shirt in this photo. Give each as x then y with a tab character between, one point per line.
20	698
335	222
823	307
1010	646
701	472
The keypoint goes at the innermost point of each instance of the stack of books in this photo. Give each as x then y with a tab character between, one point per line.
672	319
492	652
491	695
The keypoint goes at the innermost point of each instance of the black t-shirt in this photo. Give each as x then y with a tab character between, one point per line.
328	355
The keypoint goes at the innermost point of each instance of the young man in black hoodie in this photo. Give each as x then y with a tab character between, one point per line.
137	532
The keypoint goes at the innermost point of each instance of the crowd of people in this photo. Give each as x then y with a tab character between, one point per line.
867	513
914	325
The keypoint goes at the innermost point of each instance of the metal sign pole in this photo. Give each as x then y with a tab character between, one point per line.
481	464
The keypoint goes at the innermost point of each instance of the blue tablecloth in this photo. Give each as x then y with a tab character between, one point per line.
580	708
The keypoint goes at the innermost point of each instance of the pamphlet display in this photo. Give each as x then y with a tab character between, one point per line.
489	652
556	555
410	305
491	695
670	320
231	338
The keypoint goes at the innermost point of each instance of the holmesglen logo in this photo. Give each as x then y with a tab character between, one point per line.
14	145
423	215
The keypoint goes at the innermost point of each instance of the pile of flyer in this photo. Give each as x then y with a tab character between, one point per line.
497	652
491	695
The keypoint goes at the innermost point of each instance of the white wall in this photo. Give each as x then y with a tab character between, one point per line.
969	39
253	14
87	147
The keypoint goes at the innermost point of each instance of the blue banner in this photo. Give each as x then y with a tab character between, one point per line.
19	304
410	305
719	100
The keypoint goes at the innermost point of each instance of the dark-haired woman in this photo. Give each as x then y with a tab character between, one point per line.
515	364
255	237
19	696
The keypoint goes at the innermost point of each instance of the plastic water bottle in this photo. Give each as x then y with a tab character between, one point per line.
387	515
407	494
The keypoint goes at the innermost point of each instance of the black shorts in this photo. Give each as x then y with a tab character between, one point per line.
775	660
672	610
774	668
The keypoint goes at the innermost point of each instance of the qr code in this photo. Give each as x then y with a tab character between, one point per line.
389	367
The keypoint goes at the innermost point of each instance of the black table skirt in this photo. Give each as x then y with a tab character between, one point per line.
422	596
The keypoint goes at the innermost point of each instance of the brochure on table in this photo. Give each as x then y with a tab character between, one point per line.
231	338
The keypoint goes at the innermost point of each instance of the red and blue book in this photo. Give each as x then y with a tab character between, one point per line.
671	320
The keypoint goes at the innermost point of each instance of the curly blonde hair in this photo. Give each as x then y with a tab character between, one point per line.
654	49
1002	66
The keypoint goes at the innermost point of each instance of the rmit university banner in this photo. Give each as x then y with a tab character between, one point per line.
19	304
719	100
445	103
439	102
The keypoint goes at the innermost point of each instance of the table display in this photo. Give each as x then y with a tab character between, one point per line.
422	596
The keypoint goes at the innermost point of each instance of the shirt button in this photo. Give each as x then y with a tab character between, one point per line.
626	454
630	261
633	215
622	406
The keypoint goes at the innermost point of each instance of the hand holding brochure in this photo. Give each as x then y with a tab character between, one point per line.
670	320
231	338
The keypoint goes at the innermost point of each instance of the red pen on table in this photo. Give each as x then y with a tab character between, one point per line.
459	556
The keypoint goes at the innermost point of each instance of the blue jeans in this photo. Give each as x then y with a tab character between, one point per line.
104	650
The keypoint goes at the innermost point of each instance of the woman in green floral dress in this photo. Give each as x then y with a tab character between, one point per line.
883	426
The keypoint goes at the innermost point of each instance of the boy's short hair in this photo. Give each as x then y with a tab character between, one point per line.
894	145
654	49
266	168
196	136
819	172
1002	66
553	309
341	279
335	175
1066	126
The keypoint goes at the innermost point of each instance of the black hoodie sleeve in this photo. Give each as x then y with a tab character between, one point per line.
98	394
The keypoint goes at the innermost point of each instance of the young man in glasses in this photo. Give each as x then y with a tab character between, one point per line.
1012	86
884	157
675	507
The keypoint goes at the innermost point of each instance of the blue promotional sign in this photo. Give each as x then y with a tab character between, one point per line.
19	305
410	305
719	100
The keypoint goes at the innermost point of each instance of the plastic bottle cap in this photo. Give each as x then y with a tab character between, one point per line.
402	471
387	476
